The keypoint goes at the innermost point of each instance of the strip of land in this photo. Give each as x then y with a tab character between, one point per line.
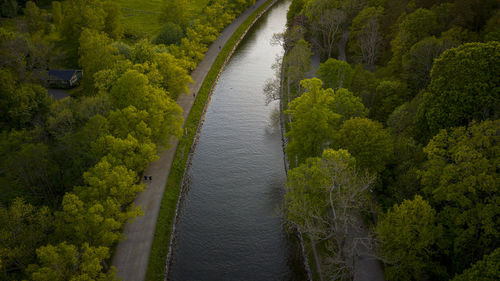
132	255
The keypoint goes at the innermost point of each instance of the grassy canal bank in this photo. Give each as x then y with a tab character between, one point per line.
166	217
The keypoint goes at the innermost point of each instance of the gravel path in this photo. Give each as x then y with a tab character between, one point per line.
132	255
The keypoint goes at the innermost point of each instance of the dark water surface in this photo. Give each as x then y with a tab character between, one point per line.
229	227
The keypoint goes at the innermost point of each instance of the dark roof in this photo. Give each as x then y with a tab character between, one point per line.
62	74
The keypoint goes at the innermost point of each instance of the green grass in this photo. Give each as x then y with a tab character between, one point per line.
159	249
141	17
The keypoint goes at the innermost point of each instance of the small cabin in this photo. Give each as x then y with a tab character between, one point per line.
64	78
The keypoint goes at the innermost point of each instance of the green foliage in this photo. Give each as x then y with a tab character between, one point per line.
347	104
492	29
325	197
484	270
294	10
57	13
171	33
418	62
408	233
335	74
367	141
313	122
68	262
23	229
461	179
80	15
464	86
8	8
96	53
34	19
298	61
363	85
79	222
22	105
175	77
112	23
365	35
388	95
474	14
165	116
416	26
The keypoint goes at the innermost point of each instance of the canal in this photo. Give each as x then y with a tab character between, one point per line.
230	226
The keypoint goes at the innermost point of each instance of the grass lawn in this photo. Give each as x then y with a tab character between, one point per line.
140	17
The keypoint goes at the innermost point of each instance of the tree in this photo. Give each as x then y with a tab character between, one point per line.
34	18
464	86
88	222
415	27
347	104
30	170
165	116
112	20
57	16
484	270
80	15
460	178
388	95
325	199
171	33
8	8
407	234
335	73
491	31
367	141
298	63
418	62
96	53
366	36
22	105
105	181
24	228
313	122
175	77
326	23
68	262
473	14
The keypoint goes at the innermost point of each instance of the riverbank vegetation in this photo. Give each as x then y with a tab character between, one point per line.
395	146
70	168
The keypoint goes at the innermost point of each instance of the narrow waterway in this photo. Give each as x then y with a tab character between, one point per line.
230	226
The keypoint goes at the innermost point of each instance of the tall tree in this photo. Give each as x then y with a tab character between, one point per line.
408	233
335	73
313	122
367	141
67	262
325	199
464	86
112	20
96	53
460	178
24	228
79	15
366	35
326	23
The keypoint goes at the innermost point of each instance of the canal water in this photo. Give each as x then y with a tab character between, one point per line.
230	226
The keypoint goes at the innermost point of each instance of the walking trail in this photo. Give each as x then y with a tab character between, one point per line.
132	255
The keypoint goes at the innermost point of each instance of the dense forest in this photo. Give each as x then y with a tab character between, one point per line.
394	139
70	168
